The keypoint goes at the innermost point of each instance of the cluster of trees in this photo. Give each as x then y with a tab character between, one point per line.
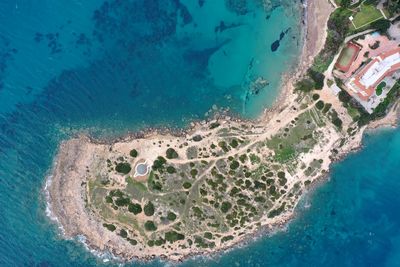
381	25
393	6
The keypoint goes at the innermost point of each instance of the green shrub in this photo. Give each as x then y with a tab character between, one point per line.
226	238
345	3
281	175
223	145
110	227
122	201
116	193
315	97
259	199
317	77
148	209
259	185
159	163
282	181
132	241
225	207
135	208
214	125
305	85
243	158
234	143
337	122
197	138
171	216
320	105
344	96
123	233
123	167
171	170
208	235
276	212
159	242
171	153
234	165
134	153
155	185
394	8
150	226
187	185
327	107
109	199
173	236
193	172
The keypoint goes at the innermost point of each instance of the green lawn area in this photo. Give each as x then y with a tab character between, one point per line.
366	15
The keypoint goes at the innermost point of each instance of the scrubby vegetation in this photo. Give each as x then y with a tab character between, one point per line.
214	191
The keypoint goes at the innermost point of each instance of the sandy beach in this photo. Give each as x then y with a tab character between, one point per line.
316	15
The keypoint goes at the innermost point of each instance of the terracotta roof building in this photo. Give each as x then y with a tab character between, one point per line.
364	83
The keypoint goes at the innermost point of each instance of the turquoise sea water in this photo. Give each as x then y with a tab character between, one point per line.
109	67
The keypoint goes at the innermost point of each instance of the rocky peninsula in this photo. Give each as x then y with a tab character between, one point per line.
210	187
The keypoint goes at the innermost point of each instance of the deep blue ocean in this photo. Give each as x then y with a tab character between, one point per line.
106	68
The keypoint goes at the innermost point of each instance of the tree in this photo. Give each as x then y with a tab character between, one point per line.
171	216
171	153
150	226
148	209
110	227
317	77
171	169
133	153
186	185
393	7
234	165
159	163
320	105
225	207
305	85
135	208
344	97
123	167
123	233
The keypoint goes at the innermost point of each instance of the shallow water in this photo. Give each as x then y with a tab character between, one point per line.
106	68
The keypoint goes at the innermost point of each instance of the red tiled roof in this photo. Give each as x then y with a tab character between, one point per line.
364	92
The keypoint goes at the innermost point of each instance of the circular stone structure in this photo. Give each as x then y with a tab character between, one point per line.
141	169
